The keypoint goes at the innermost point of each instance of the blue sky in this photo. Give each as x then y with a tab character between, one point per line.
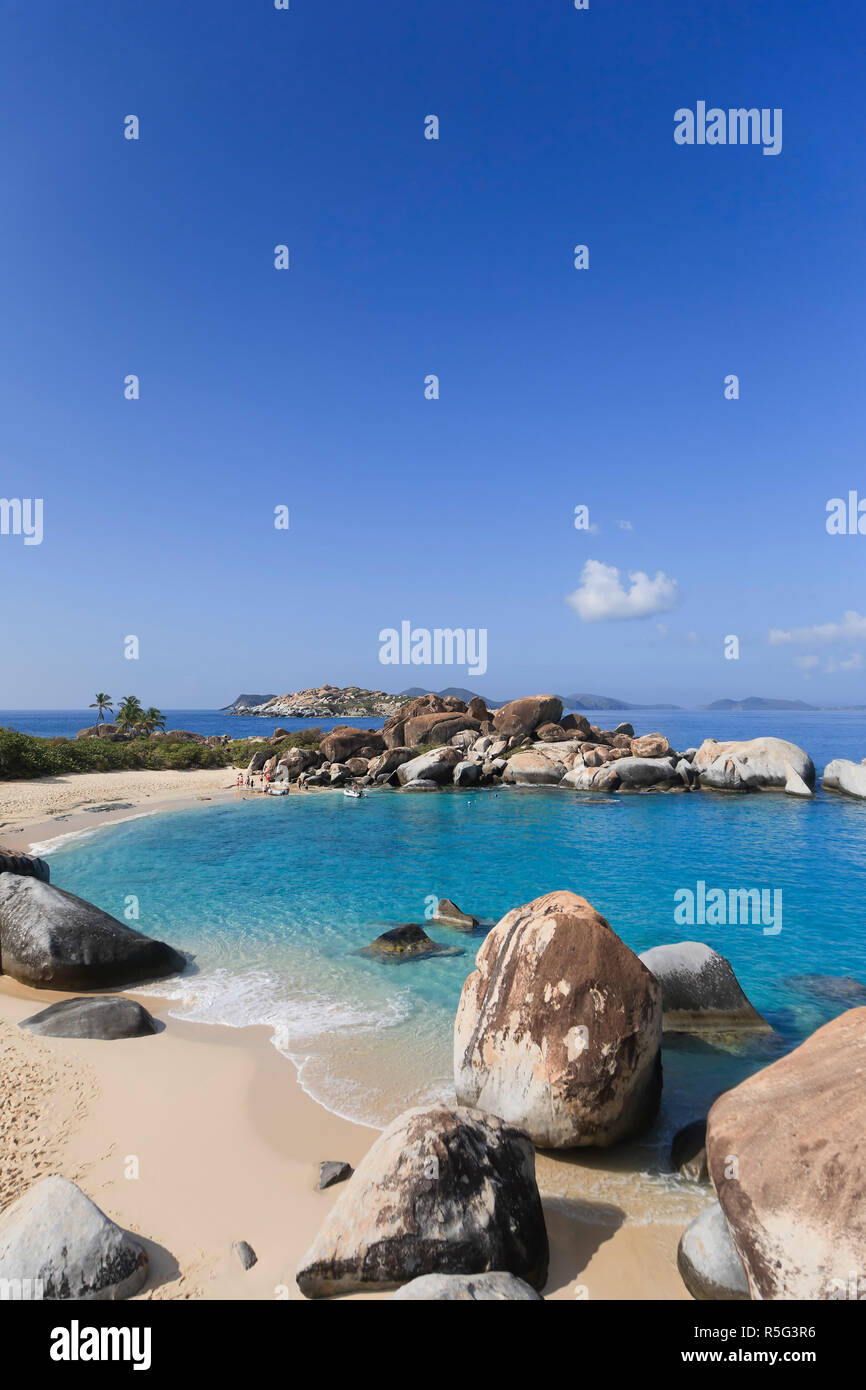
305	387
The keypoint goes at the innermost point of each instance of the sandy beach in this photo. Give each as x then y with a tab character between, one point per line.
42	808
225	1141
227	1145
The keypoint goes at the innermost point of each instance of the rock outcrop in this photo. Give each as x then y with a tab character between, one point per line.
57	1236
51	939
699	988
787	1157
558	1029
442	1191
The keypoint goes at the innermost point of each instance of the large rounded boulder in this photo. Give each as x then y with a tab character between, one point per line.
104	1016
344	742
436	766
699	989
755	764
842	775
558	1029
51	939
25	864
787	1156
442	1191
708	1264
467	1288
520	718
533	770
56	1238
435	729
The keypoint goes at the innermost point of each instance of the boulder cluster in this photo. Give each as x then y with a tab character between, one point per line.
557	1044
438	741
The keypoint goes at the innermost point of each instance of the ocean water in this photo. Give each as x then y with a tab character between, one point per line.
274	896
65	723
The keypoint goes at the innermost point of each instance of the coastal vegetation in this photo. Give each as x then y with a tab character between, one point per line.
24	755
146	747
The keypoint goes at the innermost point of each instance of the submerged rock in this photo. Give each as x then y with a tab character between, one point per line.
836	989
53	940
57	1235
558	1029
467	1288
699	988
407	942
795	1201
106	1016
707	1260
442	1191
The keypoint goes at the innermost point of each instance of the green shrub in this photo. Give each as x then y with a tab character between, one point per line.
24	755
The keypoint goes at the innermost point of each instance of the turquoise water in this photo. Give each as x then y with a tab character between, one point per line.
274	896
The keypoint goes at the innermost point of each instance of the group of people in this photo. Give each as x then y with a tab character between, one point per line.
247	781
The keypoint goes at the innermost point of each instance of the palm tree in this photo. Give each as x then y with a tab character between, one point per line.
102	703
151	719
129	713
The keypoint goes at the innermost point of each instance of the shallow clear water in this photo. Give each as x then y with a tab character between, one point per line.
274	897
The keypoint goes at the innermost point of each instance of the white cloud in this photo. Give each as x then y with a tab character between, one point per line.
852	628
601	594
807	664
625	525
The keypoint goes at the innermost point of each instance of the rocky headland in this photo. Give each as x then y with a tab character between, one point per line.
435	741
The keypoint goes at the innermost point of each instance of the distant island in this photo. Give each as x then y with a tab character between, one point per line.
244	703
754	702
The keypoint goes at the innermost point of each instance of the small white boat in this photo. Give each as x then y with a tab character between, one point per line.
278	791
354	792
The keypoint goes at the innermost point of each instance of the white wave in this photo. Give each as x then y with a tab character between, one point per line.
257	998
46	847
